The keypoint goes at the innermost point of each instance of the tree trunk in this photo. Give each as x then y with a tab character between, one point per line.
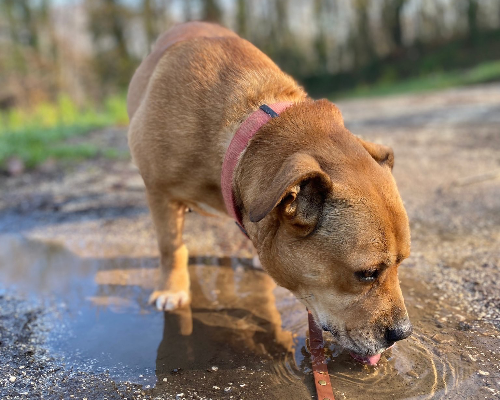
241	19
211	11
148	15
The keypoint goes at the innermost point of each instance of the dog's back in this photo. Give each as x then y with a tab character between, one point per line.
189	30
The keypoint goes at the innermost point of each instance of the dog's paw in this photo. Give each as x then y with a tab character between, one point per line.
256	262
166	300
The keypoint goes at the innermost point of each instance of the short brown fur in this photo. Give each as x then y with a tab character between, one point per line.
319	204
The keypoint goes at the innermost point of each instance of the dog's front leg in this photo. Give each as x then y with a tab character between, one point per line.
172	288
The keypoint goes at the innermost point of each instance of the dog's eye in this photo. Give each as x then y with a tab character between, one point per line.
368	275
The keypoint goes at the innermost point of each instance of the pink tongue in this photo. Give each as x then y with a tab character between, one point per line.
369	360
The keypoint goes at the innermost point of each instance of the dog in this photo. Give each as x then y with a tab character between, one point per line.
320	205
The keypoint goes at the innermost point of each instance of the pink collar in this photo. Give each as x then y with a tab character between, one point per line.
238	144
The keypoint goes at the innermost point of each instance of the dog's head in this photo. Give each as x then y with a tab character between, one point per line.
329	224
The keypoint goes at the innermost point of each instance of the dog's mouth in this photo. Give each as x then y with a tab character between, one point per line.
371	360
367	360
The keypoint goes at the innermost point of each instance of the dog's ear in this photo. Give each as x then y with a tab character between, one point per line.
380	153
297	188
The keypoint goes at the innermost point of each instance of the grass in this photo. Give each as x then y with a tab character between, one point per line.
40	133
485	72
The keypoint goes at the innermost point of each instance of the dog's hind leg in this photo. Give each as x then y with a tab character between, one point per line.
172	288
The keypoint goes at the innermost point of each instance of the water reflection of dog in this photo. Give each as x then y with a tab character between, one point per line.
233	313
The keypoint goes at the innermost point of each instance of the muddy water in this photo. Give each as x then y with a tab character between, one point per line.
242	336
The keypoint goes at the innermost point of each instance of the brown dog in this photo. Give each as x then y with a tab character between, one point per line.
320	205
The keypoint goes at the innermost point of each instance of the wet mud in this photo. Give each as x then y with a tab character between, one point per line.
78	260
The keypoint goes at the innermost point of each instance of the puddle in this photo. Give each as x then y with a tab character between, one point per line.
252	332
103	323
411	370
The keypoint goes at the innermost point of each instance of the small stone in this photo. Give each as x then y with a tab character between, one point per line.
464	326
165	379
412	374
483	373
216	387
214	368
438	338
15	166
242	385
12	379
179	396
227	389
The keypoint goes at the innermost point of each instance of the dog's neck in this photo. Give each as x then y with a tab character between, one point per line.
237	146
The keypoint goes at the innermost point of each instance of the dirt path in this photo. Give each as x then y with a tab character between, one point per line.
93	216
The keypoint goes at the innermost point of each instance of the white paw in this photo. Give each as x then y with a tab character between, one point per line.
169	301
256	262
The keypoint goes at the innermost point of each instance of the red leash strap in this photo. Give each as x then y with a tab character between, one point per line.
320	370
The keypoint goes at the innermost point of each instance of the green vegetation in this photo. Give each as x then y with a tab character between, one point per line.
485	72
42	132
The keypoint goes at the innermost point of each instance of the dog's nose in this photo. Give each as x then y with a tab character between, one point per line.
399	332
